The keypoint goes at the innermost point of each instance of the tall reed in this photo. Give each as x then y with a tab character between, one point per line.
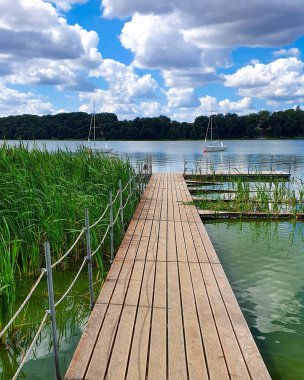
43	197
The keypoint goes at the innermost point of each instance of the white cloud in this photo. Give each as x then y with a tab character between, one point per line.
123	108
193	36
124	82
39	47
16	102
182	97
292	52
66	5
280	80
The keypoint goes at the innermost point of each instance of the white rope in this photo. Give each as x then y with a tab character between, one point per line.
72	284
116	196
116	217
102	241
31	346
69	251
128	183
127	200
23	304
113	201
100	219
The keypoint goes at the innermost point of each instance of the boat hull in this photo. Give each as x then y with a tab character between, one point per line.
215	148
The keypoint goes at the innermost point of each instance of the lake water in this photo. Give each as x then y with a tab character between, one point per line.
170	155
264	262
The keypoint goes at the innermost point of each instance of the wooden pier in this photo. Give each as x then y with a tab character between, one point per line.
166	309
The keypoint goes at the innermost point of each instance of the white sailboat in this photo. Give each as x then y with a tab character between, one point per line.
213	145
94	148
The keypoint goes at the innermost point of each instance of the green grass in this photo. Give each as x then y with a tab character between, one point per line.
43	197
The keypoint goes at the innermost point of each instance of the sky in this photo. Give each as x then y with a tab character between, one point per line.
142	58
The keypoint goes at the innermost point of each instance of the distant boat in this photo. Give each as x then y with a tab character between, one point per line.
213	145
92	146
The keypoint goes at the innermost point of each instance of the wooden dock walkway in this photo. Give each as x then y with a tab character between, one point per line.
166	309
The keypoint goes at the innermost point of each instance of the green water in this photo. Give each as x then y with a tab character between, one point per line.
71	316
264	262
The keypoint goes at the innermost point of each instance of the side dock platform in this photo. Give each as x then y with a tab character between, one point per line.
166	309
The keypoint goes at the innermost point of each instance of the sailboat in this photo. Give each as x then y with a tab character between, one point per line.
213	145
93	147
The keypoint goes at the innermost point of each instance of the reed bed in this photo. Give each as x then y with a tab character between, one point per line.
43	197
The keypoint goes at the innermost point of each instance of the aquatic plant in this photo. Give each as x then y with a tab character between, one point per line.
272	196
43	197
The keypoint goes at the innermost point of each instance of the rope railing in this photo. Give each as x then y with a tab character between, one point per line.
102	241
143	177
209	165
70	249
101	217
4	330
31	346
72	283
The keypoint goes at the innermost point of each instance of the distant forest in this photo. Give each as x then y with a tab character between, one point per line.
75	125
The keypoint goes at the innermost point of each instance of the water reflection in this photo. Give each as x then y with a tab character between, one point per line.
71	316
170	155
264	263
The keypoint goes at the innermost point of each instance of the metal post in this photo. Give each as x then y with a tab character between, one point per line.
48	262
248	165
229	171
139	179
121	209
151	165
134	184
289	170
130	182
271	164
111	227
90	272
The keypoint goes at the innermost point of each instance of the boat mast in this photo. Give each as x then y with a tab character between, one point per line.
94	126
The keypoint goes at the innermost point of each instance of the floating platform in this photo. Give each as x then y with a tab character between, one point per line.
211	214
195	190
166	309
245	175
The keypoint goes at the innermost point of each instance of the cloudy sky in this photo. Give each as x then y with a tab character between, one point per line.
146	58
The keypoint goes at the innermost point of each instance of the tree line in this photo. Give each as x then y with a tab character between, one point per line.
75	125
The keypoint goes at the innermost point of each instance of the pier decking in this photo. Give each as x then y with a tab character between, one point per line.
166	309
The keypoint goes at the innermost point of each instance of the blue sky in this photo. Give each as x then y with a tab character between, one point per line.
142	58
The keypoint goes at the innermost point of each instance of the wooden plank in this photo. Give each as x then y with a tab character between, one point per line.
140	343
194	346
234	358
171	244
85	348
177	365
190	247
102	350
214	354
180	242
120	353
